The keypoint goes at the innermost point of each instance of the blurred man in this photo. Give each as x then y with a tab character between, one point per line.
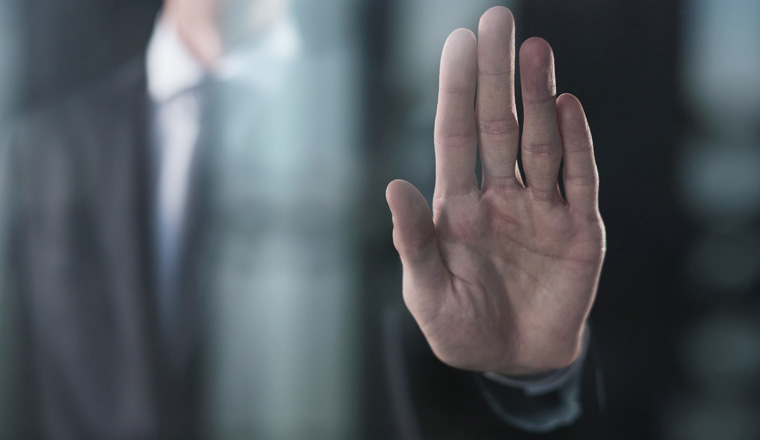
133	204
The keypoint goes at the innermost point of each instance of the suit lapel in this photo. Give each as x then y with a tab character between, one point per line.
126	213
122	214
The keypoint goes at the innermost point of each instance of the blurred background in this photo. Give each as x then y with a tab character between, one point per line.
672	93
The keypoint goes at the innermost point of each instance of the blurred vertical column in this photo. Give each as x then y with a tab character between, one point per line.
11	46
284	334
10	55
719	182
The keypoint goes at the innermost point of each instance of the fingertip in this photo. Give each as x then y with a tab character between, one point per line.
568	102
459	43
403	196
393	190
389	190
536	51
496	34
459	61
536	43
412	219
570	111
461	36
567	99
537	71
496	16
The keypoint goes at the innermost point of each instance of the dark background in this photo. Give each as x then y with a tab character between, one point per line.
620	57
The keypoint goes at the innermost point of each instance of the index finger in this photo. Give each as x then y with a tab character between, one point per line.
455	136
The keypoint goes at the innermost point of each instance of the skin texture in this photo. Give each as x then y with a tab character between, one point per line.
502	278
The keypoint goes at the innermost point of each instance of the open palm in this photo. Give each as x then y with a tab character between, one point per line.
501	278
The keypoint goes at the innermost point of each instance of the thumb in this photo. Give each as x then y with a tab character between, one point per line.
414	234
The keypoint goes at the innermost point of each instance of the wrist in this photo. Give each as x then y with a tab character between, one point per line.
561	355
547	380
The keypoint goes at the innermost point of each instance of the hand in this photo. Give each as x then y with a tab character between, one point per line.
502	278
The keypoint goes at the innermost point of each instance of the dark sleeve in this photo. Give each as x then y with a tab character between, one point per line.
538	403
434	401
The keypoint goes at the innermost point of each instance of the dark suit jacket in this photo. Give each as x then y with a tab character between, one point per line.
80	322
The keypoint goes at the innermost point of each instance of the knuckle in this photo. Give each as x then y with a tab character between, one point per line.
579	147
543	194
452	138
583	180
541	148
538	99
506	183
498	128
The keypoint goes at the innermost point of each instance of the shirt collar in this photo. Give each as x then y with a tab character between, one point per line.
171	68
260	65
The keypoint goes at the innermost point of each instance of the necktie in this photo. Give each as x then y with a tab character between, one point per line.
183	188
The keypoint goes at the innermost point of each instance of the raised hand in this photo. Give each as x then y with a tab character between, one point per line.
501	278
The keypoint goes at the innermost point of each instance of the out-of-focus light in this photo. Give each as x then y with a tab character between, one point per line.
720	267
10	54
721	64
722	355
700	418
721	181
